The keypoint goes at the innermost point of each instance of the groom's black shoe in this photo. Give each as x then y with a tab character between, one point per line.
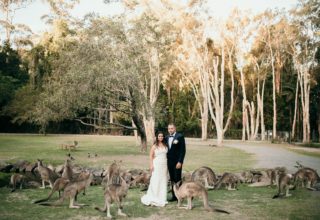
172	199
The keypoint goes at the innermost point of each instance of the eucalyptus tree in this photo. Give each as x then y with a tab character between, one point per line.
201	61
8	8
304	48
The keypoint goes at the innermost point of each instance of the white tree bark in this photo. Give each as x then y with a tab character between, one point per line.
215	83
295	109
150	91
305	101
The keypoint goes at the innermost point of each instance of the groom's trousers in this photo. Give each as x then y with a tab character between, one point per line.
175	175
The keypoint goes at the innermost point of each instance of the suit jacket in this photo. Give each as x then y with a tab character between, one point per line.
178	149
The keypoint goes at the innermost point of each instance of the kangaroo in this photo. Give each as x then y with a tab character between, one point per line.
283	185
16	179
69	146
206	176
71	191
114	193
61	182
229	180
67	170
113	174
312	179
190	190
306	175
47	175
273	174
143	180
58	185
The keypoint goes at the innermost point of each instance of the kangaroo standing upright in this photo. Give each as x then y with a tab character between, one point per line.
46	174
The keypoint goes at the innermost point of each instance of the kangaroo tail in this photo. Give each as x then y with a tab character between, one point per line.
56	203
311	188
276	196
221	210
46	199
41	200
47	204
210	209
99	209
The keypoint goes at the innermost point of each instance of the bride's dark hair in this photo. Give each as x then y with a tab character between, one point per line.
157	140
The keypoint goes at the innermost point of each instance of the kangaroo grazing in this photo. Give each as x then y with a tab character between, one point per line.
206	176
114	193
229	180
69	146
284	184
306	176
190	190
47	175
71	191
16	179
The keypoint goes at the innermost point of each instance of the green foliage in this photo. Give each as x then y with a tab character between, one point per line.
100	63
13	74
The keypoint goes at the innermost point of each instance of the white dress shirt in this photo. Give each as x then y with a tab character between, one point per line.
171	139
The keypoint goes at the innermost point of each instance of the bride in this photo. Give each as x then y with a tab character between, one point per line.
157	191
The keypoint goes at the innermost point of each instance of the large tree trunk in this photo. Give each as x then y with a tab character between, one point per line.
263	128
245	125
204	125
318	128
138	121
135	133
274	124
220	136
151	93
215	83
141	132
149	124
305	101
295	110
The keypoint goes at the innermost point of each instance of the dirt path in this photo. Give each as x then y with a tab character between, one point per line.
272	155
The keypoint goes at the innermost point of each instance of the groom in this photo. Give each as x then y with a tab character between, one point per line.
175	155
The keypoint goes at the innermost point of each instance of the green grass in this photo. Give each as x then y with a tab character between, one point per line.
307	153
109	148
311	145
246	203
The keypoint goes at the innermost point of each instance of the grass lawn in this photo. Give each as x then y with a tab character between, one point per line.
246	203
304	152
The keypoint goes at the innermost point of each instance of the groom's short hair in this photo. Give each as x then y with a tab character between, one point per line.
171	124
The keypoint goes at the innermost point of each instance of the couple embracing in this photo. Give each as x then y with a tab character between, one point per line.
167	154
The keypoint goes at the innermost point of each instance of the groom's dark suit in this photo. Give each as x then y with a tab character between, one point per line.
175	154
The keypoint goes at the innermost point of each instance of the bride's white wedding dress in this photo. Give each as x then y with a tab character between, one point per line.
157	191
